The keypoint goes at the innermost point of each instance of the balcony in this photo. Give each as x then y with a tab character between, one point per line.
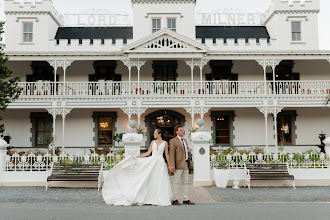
174	88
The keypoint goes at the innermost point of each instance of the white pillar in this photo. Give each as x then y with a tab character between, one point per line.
266	132
63	133
64	81
276	110
65	112
3	153
265	111
201	77
274	81
276	139
265	79
201	157
132	141
129	79
192	76
275	63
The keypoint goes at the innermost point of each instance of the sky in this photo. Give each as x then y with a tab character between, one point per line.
124	6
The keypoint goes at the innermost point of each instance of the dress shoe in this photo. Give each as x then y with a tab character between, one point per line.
188	202
175	202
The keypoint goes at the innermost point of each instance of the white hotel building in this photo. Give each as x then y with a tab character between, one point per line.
257	85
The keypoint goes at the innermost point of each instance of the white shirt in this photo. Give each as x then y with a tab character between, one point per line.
185	146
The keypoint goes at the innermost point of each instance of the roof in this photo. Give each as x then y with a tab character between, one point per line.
125	33
95	33
235	32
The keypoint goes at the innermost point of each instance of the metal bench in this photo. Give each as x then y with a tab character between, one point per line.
267	172
70	172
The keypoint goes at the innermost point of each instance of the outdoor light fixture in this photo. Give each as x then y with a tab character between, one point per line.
104	124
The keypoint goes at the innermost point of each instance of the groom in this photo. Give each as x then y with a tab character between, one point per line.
180	161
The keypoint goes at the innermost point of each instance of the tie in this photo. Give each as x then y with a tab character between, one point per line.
184	147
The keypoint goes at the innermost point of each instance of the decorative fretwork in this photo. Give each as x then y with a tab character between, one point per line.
133	63
55	111
269	62
60	63
141	111
166	43
274	110
65	112
266	110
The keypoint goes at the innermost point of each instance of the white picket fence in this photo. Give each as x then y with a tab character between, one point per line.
42	162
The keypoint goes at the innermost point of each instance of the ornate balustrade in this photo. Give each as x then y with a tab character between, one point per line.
33	162
184	88
298	160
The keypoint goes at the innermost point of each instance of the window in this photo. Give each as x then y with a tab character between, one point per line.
223	127
105	131
104	128
222	130
43	131
27	32
171	24
156	25
296	30
165	70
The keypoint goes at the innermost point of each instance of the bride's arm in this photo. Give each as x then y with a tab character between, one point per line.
167	154
147	153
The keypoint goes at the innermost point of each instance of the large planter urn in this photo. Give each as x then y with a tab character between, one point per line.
221	177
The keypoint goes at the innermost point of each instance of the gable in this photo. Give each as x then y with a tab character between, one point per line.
165	41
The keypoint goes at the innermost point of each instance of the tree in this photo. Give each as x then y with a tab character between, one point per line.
9	89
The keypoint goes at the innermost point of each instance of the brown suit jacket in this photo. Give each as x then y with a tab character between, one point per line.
177	154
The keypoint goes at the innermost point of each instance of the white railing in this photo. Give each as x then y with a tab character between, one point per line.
233	88
300	87
294	160
42	162
97	88
40	88
158	88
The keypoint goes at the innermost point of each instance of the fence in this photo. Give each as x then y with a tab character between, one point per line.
311	159
42	162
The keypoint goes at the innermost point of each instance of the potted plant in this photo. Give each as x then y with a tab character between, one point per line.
221	173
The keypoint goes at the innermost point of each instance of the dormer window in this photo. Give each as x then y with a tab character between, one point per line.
156	24
171	24
27	32
296	30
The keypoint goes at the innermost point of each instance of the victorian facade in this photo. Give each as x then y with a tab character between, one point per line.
260	85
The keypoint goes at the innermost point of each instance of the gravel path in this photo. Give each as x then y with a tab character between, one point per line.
216	195
52	195
301	194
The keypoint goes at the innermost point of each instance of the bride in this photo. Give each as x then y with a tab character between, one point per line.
140	180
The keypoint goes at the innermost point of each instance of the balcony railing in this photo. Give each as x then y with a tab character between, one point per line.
186	88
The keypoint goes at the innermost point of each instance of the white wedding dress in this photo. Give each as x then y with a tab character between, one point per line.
138	181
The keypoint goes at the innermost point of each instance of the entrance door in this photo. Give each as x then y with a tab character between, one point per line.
167	123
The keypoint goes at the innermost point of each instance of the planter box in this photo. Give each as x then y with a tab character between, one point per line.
221	177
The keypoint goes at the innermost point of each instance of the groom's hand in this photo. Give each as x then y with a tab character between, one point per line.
172	170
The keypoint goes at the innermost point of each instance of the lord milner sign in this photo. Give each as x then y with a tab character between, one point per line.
228	17
221	17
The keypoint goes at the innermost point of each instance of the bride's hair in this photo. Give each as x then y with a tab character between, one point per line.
159	131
